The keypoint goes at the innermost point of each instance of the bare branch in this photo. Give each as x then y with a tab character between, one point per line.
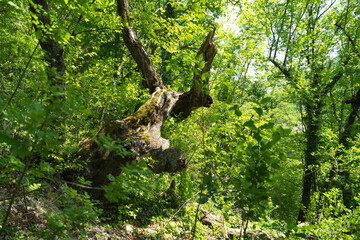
137	50
327	9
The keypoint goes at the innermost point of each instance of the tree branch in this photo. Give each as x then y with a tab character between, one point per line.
282	69
94	30
337	77
206	53
137	50
352	42
199	94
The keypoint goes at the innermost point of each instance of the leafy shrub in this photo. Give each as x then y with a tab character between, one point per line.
138	192
76	212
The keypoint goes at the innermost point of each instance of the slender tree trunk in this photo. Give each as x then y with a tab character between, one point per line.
53	50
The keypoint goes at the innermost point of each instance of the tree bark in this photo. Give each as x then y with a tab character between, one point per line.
151	77
139	134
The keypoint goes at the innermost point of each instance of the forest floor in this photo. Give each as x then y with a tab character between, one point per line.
42	214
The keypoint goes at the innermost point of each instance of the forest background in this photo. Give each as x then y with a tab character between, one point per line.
275	148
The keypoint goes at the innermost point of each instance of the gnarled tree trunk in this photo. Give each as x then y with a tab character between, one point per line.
141	132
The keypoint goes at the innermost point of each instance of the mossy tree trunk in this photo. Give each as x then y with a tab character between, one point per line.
140	133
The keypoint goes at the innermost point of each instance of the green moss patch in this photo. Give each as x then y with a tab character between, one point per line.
143	115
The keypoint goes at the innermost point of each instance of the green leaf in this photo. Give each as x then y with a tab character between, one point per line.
203	76
250	124
268	125
34	186
291	154
266	145
258	110
17	148
236	109
111	178
284	131
287	131
257	137
265	100
310	227
276	136
238	112
38	33
201	64
282	156
196	71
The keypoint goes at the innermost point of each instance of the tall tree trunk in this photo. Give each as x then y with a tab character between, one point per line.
344	141
312	143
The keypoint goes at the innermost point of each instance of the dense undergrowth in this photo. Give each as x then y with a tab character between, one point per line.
142	205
